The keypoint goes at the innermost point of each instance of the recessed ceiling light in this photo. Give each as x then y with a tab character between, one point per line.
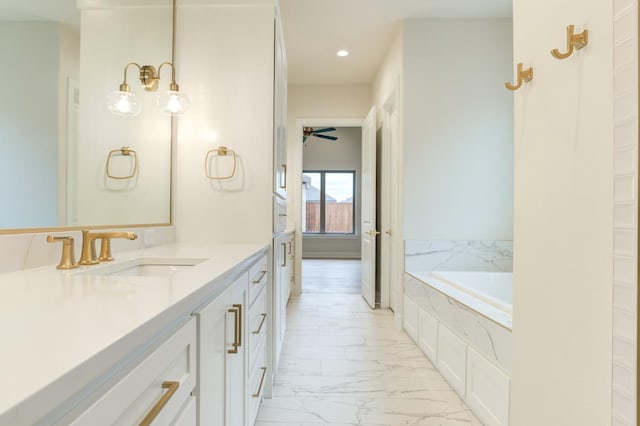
342	53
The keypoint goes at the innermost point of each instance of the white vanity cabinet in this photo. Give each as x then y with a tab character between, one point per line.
282	280
222	354
258	324
157	391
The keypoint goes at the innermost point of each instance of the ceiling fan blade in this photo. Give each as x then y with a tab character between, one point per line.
331	138
327	129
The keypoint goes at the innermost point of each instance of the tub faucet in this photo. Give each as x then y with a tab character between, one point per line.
88	255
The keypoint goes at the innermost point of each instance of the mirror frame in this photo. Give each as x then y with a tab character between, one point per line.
172	146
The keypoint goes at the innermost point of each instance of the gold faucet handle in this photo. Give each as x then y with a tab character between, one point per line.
105	250
105	246
68	258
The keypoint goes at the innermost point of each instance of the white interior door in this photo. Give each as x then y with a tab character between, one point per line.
368	222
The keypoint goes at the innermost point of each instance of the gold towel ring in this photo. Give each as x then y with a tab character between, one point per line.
125	151
221	151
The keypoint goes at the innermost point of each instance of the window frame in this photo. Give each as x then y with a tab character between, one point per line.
322	231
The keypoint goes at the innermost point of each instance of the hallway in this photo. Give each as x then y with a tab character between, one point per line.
345	364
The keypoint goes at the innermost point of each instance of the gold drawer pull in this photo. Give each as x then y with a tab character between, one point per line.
262	274
173	387
264	373
237	329
264	317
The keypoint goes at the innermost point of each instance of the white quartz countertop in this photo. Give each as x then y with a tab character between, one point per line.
61	329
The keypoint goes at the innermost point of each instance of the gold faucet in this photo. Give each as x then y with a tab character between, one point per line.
68	259
88	255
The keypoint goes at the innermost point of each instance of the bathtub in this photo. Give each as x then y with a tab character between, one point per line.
494	288
487	293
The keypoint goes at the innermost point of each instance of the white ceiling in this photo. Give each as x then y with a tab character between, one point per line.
314	30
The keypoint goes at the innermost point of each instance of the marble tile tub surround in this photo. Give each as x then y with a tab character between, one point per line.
25	251
491	338
442	255
344	364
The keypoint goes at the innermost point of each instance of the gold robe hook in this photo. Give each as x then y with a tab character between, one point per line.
523	75
574	41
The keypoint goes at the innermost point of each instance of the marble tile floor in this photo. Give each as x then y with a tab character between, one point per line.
331	276
344	364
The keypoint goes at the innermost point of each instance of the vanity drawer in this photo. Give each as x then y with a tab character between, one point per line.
168	375
257	382
258	323
258	275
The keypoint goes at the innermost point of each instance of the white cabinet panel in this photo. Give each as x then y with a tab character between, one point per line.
428	334
222	358
411	318
189	414
452	359
258	276
169	370
487	390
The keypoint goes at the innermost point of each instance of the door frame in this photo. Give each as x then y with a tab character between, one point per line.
294	207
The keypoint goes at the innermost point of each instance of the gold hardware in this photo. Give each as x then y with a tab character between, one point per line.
88	254
523	76
235	305
236	310
149	77
574	41
264	317
173	387
221	151
125	151
283	177
388	232
68	258
235	345
284	255
264	373
262	274
373	232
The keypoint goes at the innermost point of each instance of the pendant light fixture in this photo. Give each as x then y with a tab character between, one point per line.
125	103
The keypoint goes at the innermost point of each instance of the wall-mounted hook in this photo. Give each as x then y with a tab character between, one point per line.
523	76
574	41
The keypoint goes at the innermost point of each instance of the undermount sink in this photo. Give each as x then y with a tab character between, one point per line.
145	267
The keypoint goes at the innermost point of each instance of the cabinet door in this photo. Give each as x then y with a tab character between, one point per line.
279	302
221	357
279	115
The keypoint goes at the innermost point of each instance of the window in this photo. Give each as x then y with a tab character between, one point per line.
328	205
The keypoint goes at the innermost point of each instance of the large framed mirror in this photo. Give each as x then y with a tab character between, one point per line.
66	160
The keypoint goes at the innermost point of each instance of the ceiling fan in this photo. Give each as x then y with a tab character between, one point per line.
310	131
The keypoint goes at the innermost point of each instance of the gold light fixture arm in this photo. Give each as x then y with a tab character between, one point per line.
574	41
173	86
523	76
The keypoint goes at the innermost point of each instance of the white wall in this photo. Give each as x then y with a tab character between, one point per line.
458	129
225	59
389	75
111	38
342	154
624	408
29	124
563	220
